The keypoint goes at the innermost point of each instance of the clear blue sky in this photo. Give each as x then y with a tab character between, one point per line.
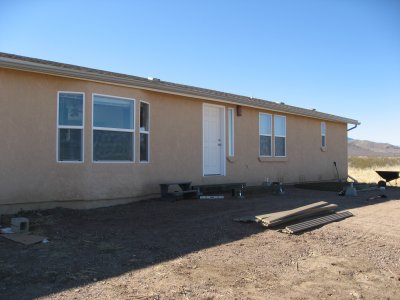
338	56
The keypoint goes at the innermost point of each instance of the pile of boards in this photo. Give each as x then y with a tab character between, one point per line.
305	214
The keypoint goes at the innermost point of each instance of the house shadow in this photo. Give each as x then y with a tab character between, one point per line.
92	245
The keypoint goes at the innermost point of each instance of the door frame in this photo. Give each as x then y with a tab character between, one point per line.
223	138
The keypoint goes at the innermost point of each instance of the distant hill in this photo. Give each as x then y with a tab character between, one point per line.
368	148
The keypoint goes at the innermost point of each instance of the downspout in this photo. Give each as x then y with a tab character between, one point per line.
354	127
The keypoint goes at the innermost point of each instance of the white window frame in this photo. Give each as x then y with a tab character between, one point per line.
145	132
275	135
323	134
261	134
231	132
70	127
132	131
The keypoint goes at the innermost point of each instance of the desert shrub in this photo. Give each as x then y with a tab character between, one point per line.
363	162
363	168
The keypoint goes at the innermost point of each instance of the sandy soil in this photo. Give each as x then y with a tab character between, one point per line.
192	249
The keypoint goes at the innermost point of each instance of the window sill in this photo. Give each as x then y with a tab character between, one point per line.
272	159
323	148
231	159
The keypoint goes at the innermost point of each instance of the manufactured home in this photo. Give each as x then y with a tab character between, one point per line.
78	137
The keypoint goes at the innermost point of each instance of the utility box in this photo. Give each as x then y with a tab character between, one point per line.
20	225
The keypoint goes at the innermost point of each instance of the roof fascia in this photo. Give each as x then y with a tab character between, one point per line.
162	87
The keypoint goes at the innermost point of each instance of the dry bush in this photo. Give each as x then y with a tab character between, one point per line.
363	168
365	162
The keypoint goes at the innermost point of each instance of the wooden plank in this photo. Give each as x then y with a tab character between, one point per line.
317	222
177	183
288	213
315	211
223	187
296	228
182	194
309	213
26	239
216	197
246	219
187	192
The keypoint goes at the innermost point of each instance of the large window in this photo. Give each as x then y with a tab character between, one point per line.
144	131
113	128
265	131
323	134
280	135
70	120
231	136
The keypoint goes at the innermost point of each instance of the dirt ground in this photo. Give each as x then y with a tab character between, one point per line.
192	249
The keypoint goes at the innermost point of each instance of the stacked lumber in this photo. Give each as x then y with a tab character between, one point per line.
317	222
303	214
281	217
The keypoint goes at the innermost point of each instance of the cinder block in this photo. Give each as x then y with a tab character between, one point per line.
20	225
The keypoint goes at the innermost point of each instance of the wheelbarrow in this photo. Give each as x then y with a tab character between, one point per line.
388	176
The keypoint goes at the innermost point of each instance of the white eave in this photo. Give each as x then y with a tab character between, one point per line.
22	63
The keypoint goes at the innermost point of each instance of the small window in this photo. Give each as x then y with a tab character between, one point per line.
144	131
280	135
70	119
113	129
231	140
265	131
323	134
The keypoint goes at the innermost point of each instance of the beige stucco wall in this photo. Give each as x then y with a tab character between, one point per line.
30	177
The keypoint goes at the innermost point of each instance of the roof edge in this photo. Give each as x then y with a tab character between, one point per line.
23	63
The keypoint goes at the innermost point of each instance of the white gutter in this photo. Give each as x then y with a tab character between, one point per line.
76	72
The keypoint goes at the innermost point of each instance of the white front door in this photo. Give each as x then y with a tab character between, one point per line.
213	140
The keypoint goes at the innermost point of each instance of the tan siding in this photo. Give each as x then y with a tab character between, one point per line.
29	172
